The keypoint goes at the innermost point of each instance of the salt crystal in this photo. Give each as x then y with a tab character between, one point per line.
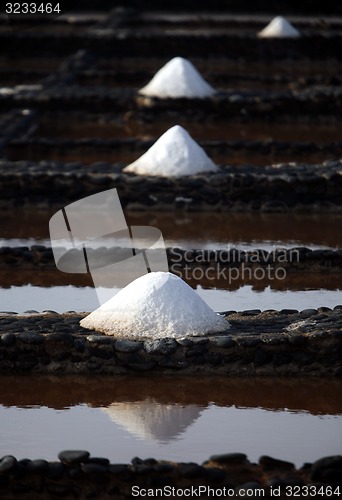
155	305
174	154
279	27
178	78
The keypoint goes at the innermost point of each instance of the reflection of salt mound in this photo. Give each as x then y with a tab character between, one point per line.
178	78
279	27
150	420
155	305
174	154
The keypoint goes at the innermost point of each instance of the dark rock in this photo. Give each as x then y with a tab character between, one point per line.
302	357
225	342
79	345
99	339
269	463
262	357
8	339
141	367
307	313
281	358
327	469
93	468
37	466
186	342
57	489
251	312
190	470
229	458
98	460
248	341
118	468
160	346
163	467
296	339
71	457
127	345
213	474
7	463
55	471
30	338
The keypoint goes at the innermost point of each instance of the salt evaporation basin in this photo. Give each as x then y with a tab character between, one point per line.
178	78
156	305
279	27
174	154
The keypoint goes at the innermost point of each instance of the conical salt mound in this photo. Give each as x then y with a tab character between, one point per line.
154	306
279	27
174	154
178	78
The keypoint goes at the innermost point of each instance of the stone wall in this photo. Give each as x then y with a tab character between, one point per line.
79	475
258	343
286	187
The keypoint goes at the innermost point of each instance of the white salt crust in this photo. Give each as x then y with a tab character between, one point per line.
279	27
174	154
155	306
178	78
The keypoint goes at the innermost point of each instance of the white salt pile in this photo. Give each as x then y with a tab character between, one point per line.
279	27
174	154
154	306
178	78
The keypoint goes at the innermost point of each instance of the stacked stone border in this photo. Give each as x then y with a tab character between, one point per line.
77	474
282	188
258	343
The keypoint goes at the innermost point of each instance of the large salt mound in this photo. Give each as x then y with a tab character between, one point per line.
155	305
279	27
174	154
178	78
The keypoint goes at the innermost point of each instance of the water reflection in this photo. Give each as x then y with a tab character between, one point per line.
176	418
151	420
195	229
315	396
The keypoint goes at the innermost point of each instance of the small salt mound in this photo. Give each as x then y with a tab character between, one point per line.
279	27
178	78
155	305
174	154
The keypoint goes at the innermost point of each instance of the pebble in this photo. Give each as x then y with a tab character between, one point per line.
229	458
7	463
269	463
8	339
37	466
160	346
72	457
127	345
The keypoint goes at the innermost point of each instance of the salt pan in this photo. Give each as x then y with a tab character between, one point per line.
155	305
174	154
279	27
178	78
